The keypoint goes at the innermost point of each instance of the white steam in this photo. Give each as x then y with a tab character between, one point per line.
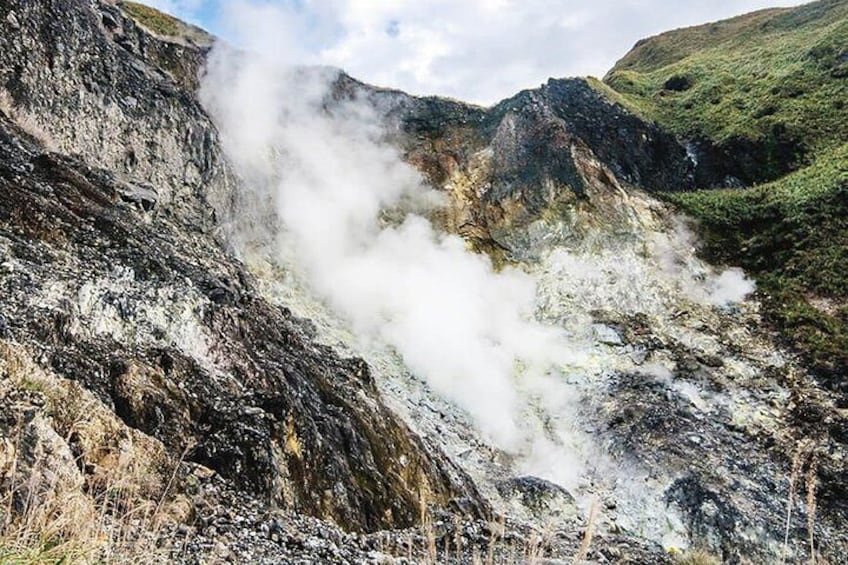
456	322
326	195
698	282
730	286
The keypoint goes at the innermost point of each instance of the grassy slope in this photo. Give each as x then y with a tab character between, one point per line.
749	77
153	19
163	24
784	67
792	234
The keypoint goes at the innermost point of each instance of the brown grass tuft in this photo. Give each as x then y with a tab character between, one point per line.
698	557
76	485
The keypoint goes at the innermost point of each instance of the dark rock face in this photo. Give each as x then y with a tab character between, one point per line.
117	96
637	152
739	162
507	166
111	274
281	417
532	135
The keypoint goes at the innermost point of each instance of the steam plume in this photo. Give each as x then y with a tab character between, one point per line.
454	320
317	181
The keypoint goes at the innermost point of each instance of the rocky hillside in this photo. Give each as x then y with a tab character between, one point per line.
766	90
197	405
115	283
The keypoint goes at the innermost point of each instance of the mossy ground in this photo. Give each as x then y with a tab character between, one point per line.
792	234
772	74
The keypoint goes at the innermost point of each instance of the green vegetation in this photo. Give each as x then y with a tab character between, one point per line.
776	70
163	24
765	77
792	234
154	20
41	553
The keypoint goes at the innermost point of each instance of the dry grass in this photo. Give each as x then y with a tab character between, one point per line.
805	456
699	557
154	20
812	485
105	501
6	103
164	25
588	534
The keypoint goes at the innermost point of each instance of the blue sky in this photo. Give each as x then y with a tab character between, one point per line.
199	12
475	50
205	17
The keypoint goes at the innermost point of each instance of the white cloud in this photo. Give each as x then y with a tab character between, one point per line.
478	50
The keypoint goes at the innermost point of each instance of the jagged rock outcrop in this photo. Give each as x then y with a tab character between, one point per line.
566	144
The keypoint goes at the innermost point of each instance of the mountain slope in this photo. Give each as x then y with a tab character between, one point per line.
767	88
114	276
767	91
230	401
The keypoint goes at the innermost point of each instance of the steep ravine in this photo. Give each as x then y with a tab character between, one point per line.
165	334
